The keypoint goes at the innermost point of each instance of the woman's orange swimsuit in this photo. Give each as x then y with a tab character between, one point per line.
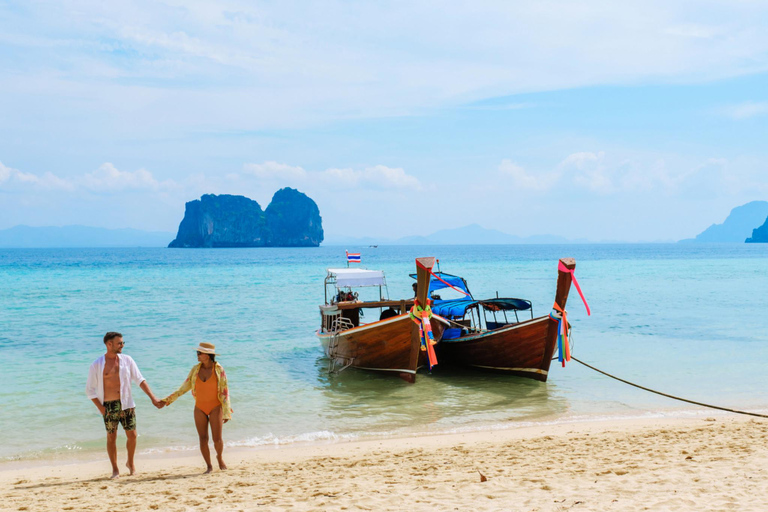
206	393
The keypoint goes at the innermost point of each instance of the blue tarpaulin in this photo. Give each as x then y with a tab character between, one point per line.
458	307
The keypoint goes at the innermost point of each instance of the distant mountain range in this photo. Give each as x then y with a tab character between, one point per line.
737	227
473	234
80	236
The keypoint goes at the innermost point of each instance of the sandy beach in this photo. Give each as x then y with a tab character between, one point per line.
716	463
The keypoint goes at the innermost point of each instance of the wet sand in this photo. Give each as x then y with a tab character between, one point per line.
717	463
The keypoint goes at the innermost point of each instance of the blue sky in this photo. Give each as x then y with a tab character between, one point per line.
636	121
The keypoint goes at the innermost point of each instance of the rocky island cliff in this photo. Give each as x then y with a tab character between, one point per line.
292	219
759	235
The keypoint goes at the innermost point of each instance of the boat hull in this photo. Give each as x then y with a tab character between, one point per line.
391	345
523	349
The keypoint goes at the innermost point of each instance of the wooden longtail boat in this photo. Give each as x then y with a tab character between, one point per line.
523	348
390	344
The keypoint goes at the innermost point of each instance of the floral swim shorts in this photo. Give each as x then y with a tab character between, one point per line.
115	414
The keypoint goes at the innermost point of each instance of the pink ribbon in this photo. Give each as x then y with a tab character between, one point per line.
563	268
438	278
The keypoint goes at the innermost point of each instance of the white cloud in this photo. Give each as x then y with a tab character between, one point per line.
607	174
667	176
348	178
237	65
381	176
523	180
276	171
47	181
107	178
589	170
376	177
746	110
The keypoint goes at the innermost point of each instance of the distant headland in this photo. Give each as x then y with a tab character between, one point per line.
738	226
292	219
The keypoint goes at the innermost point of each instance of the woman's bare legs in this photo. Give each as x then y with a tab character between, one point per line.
217	422
201	422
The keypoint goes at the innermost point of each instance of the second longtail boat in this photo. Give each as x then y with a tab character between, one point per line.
502	343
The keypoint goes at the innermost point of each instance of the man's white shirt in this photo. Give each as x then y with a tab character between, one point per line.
129	372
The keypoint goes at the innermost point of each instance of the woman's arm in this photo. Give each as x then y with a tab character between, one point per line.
186	386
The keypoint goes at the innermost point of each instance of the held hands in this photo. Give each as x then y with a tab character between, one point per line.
158	403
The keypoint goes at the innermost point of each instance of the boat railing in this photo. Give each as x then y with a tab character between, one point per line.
341	324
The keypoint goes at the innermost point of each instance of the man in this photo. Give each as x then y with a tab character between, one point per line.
109	387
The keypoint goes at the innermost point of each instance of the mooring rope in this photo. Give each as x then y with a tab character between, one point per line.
670	396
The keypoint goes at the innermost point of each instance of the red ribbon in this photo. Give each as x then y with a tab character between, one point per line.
563	268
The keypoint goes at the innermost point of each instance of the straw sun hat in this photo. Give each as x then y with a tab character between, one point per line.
207	348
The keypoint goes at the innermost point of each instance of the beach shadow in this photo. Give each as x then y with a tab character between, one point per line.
123	479
510	391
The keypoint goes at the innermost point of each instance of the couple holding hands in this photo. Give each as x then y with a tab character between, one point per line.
109	387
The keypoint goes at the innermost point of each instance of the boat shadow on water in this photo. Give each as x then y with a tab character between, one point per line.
446	391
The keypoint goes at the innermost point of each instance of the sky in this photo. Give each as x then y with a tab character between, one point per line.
632	120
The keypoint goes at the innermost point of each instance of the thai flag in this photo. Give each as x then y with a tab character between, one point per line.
353	257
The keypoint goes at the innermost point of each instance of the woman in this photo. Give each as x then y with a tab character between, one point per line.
208	383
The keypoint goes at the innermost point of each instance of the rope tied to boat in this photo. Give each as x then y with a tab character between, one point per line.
727	409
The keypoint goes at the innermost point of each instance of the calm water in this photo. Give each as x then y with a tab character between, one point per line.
686	319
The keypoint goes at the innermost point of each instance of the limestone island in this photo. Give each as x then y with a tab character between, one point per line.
292	219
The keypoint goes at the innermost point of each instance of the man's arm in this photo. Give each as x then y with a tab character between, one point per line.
90	388
137	377
99	406
145	387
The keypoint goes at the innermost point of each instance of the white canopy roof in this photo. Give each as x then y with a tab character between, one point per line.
357	277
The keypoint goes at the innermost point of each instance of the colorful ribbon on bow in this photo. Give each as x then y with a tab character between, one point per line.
421	317
563	348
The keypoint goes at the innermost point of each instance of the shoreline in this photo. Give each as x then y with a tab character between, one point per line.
705	463
80	455
84	456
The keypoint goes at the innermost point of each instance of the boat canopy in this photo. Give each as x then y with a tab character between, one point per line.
459	307
455	281
355	277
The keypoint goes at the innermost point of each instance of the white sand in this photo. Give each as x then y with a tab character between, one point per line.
713	464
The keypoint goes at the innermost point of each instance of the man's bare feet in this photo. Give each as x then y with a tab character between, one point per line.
222	466
207	471
115	473
131	468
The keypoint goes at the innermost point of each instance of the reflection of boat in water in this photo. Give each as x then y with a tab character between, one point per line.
392	343
489	334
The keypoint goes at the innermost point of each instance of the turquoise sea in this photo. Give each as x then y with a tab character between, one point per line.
686	319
